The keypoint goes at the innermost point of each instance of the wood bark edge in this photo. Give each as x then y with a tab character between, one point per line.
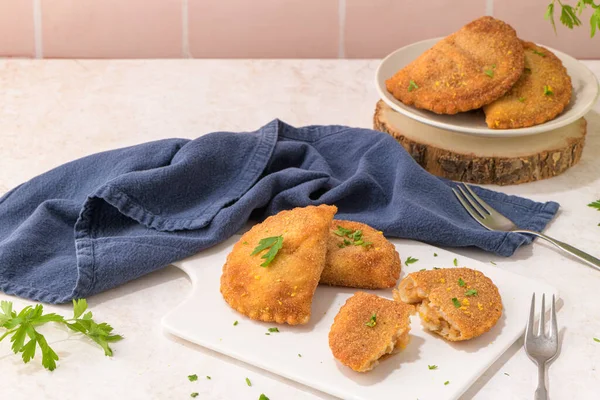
469	167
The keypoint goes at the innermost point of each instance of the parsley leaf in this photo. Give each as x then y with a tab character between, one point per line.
273	243
372	322
235	323
248	382
193	378
436	268
263	397
493	263
274	330
489	73
432	366
550	15
435	254
595	204
548	90
455	262
596	340
410	260
412	86
456	302
446	383
208	377
299	355
539	53
341	231
471	292
461	282
195	394
506	373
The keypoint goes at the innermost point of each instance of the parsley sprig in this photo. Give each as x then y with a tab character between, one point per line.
273	243
21	325
569	15
372	321
410	260
351	237
595	204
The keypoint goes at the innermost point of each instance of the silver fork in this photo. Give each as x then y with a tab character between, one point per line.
541	348
494	221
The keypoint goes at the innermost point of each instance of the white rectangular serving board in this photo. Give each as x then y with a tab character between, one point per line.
204	318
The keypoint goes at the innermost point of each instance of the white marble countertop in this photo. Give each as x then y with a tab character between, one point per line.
54	111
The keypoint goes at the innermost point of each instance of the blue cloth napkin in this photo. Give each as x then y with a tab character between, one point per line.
100	221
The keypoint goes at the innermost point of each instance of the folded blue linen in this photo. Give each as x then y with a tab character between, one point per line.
100	221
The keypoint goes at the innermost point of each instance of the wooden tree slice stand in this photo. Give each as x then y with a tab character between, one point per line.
484	160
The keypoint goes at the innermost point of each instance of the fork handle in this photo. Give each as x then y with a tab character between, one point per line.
541	393
582	255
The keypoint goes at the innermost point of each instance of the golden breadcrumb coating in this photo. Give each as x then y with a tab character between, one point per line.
360	346
282	291
375	266
456	303
464	71
542	92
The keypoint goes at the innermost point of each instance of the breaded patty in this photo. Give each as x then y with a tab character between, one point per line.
542	92
456	303
368	327
464	71
359	256
281	291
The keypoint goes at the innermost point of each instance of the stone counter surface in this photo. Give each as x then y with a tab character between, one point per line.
53	111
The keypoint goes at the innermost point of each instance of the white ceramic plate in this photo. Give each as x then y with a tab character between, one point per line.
204	318
585	94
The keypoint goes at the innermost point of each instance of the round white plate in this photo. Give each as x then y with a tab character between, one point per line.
585	94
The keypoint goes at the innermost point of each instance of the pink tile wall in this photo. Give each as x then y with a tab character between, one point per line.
375	28
112	28
262	28
527	18
16	28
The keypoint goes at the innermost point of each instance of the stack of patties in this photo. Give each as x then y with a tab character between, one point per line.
485	64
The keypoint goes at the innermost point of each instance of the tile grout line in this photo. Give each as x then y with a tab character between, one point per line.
342	28
37	29
489	7
185	29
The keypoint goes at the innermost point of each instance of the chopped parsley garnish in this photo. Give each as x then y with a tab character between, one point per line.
235	323
446	383
422	269
596	340
493	65
208	377
248	382
273	243
412	86
342	231
267	333
456	302
432	366
493	263
435	254
471	292
461	282
455	262
506	373
489	73
372	322
263	397
195	394
273	330
595	204
245	243
548	90
539	53
351	237
299	355
410	260
436	268
193	378
522	99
